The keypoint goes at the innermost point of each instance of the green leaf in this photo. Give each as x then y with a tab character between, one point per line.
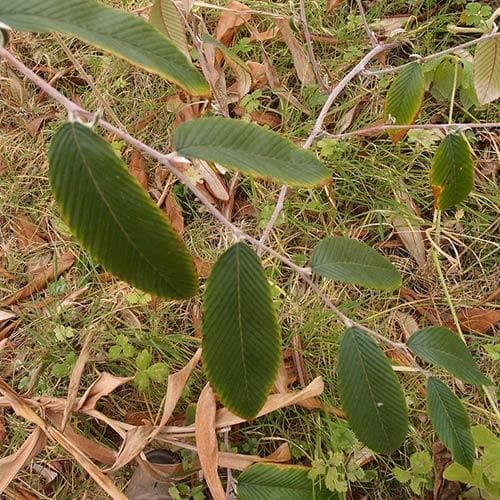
126	36
165	17
115	352
443	81
441	347
279	482
452	172
487	70
450	421
421	463
370	393
404	99
352	261
113	218
143	360
158	372
241	340
142	381
250	149
401	475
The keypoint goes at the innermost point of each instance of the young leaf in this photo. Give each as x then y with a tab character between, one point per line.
404	99
166	18
113	218
124	35
487	70
352	261
241	340
450	421
440	346
452	172
280	482
370	393
250	149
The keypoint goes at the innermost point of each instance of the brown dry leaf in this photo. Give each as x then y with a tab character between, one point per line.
390	26
76	376
272	120
138	169
6	315
240	462
263	36
206	442
33	126
203	267
5	274
135	441
11	465
39	282
300	60
28	235
407	323
443	489
230	21
476	320
184	111
347	119
174	214
104	385
3	432
214	182
258	74
332	5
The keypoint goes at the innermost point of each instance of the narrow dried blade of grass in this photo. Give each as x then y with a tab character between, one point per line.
49	273
104	385
300	61
76	376
206	442
11	465
412	239
135	441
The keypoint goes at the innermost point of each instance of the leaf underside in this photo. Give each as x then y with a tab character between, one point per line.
113	218
250	149
441	347
118	32
450	421
352	261
487	70
404	99
276	482
241	339
452	172
370	393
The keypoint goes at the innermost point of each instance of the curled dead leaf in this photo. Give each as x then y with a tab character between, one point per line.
174	214
137	168
235	15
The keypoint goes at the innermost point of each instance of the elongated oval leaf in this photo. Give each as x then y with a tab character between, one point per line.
404	99
280	482
452	172
250	149
112	216
441	347
443	81
124	35
370	393
450	421
241	340
487	70
166	18
352	261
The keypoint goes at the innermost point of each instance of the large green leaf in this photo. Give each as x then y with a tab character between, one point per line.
112	216
370	393
450	422
166	18
440	346
352	261
444	79
487	70
241	340
279	482
250	149
404	99
452	172
127	36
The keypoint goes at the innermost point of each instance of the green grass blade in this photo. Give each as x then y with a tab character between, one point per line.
118	32
280	482
249	149
450	421
370	393
352	261
113	218
452	172
241	339
441	347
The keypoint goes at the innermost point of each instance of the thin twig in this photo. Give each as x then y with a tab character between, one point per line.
319	125
369	32
166	160
433	56
430	126
310	49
